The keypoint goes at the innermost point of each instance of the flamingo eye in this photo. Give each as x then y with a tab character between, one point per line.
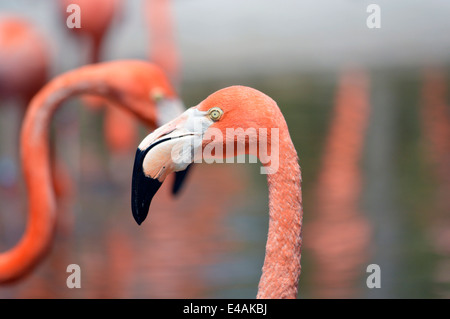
215	113
157	95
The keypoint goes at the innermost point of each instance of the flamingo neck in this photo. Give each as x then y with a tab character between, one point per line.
39	231
281	270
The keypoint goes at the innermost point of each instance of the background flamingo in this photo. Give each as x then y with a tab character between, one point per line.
130	88
163	50
96	20
24	69
97	17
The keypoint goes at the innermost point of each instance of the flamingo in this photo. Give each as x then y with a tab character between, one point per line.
96	18
24	59
232	108
164	53
138	86
24	65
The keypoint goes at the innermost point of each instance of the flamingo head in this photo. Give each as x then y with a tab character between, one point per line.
201	133
149	93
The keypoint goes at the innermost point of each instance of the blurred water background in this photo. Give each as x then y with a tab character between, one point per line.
367	109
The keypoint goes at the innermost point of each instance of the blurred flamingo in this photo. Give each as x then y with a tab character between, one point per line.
96	18
24	60
170	148
140	87
24	68
339	234
163	51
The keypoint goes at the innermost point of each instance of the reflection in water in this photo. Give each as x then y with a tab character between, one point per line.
165	257
435	115
381	192
339	234
186	235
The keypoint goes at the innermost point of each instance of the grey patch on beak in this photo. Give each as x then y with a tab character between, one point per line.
168	109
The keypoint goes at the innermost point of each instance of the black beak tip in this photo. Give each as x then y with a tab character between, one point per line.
139	222
139	215
143	189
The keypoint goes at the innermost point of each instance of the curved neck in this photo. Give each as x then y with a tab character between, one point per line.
281	270
35	157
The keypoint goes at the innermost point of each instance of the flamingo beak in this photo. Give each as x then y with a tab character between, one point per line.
170	148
